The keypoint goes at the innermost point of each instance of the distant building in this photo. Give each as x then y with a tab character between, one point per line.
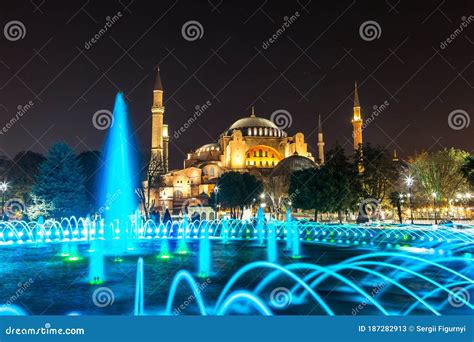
251	144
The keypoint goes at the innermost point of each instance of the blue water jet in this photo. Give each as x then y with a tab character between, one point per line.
183	227
295	237
225	231
260	226
289	229
204	253
119	177
271	243
139	291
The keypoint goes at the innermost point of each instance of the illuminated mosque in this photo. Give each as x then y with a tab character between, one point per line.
251	144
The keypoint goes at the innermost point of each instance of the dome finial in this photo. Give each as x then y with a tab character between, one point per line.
253	112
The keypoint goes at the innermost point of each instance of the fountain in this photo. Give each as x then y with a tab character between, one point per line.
295	237
289	229
204	253
271	242
164	249
139	291
182	246
260	226
119	178
225	231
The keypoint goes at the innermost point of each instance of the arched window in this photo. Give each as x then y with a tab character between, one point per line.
249	131
178	194
211	172
260	131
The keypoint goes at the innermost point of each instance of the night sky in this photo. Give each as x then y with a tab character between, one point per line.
308	70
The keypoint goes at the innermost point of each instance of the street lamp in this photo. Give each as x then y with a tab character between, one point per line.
409	182
434	194
3	189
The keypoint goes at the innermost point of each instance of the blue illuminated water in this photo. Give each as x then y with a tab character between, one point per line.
117	188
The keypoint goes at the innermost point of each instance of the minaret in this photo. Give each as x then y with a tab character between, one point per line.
395	157
159	131
357	121
320	142
166	140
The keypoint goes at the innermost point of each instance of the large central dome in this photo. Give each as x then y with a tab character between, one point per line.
256	126
253	121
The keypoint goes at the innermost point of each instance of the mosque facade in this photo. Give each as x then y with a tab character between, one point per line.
251	144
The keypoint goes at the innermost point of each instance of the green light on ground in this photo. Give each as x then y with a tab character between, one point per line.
296	256
164	256
73	258
96	282
64	255
118	259
183	252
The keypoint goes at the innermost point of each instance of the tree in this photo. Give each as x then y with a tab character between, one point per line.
151	177
38	207
237	190
22	174
61	183
344	180
311	189
440	172
91	164
395	200
468	169
155	174
379	172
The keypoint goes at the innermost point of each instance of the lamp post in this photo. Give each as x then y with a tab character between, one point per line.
409	182
216	191
434	194
3	189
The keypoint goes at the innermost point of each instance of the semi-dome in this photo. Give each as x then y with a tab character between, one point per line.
256	126
292	164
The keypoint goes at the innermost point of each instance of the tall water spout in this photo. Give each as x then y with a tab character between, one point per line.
119	176
139	292
204	252
225	230
295	233
271	242
164	248
260	226
288	227
184	226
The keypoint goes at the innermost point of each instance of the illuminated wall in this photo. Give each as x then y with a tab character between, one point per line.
262	156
